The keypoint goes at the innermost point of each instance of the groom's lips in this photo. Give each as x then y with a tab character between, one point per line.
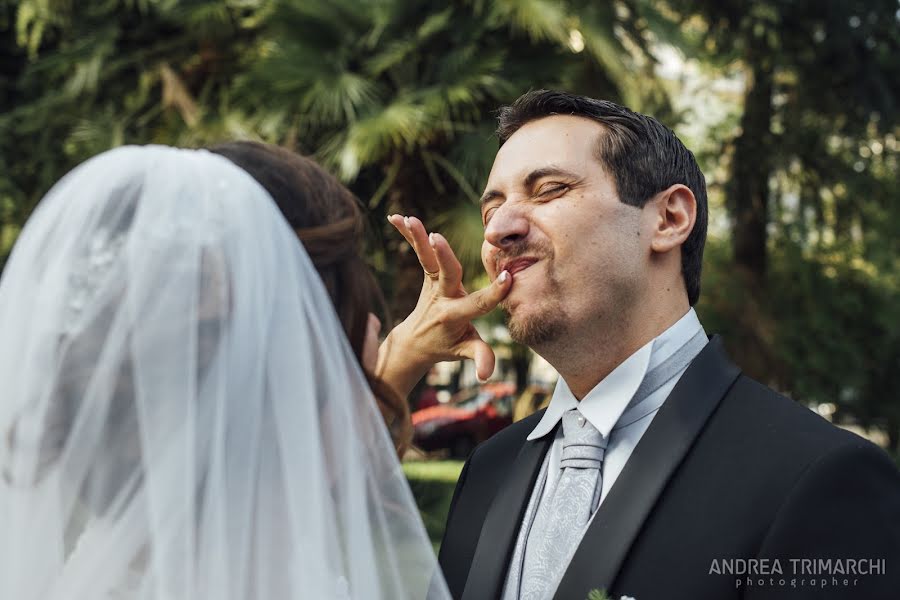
519	264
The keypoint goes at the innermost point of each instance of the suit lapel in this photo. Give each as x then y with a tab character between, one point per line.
501	525
609	537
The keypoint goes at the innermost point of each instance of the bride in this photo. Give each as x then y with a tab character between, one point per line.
183	417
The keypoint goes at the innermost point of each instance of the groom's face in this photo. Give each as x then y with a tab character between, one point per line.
553	218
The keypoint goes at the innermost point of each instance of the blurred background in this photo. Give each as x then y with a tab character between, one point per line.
791	107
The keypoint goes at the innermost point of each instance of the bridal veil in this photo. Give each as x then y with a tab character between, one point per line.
182	417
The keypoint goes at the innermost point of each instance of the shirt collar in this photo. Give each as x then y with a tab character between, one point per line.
606	402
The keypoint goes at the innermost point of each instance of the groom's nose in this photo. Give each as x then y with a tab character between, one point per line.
508	226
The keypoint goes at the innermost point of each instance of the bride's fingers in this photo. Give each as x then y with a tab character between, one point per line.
419	240
485	300
400	225
451	270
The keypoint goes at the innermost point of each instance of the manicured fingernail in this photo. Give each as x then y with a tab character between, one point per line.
503	276
480	380
431	239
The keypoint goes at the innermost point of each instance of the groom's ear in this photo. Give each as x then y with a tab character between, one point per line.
675	212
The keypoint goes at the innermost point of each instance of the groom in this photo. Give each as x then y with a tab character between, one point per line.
658	470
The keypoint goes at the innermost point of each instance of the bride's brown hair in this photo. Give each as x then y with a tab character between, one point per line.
330	222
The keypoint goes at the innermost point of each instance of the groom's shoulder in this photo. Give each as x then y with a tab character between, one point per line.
751	408
503	446
791	432
752	404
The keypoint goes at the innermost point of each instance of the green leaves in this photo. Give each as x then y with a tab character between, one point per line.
397	97
35	17
398	126
541	20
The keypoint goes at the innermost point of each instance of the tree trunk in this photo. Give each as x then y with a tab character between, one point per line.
748	201
749	194
893	435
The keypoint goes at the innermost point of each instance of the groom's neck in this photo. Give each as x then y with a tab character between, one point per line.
586	356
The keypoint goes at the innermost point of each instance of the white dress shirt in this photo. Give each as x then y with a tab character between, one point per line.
604	404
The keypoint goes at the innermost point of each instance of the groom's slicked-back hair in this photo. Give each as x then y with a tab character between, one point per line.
643	156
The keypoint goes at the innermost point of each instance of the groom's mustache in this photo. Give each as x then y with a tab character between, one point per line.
538	250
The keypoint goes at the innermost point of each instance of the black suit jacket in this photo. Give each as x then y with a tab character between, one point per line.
727	473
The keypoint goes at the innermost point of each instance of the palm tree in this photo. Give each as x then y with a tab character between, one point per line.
82	79
398	96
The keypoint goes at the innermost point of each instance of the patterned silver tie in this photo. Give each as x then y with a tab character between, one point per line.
563	515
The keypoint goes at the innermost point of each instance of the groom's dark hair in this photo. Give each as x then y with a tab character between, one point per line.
643	156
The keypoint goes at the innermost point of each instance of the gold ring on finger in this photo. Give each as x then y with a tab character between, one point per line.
431	275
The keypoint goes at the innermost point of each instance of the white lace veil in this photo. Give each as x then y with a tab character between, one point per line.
182	416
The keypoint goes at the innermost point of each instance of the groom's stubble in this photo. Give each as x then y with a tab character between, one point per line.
535	328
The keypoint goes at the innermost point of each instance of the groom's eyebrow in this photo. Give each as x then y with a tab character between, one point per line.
548	171
490	195
530	180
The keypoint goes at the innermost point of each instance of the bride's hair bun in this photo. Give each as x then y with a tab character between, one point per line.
330	222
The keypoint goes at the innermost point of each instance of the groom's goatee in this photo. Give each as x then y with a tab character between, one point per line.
538	329
535	329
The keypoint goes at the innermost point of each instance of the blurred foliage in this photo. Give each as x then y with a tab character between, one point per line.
830	331
812	168
399	98
813	158
432	484
396	96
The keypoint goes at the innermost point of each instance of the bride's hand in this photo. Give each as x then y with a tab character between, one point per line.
439	328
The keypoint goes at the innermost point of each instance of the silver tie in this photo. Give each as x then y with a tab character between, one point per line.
563	516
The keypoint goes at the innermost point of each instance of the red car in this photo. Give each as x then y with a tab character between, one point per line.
471	417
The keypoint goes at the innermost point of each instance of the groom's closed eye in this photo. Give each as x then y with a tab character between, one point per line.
543	193
551	190
490	202
489	212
